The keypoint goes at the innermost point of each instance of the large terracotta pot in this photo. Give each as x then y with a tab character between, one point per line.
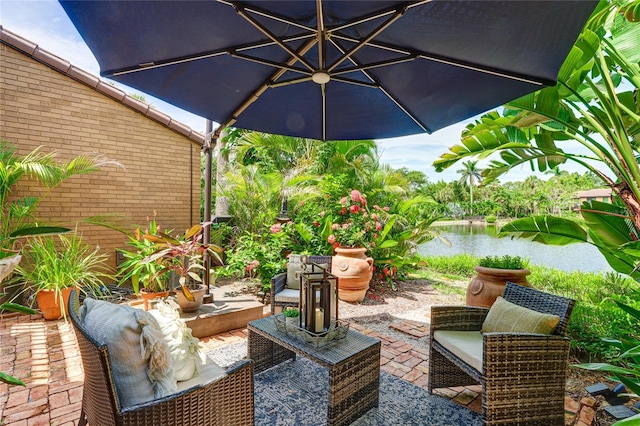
147	297
485	287
49	303
187	305
354	270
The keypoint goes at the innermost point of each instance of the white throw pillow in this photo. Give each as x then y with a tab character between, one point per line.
186	357
139	356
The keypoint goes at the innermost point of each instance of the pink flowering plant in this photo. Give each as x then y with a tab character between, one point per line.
353	224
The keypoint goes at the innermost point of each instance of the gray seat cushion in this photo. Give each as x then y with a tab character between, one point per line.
288	296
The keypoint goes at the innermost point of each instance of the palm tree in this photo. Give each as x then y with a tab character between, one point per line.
471	174
17	215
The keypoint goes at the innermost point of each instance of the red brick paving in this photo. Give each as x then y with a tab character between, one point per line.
45	356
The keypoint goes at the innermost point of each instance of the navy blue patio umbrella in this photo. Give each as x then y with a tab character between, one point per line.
329	69
332	69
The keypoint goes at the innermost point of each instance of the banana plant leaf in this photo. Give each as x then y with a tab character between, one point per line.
549	230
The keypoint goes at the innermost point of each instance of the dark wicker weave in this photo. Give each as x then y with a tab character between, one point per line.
279	282
353	364
225	401
523	374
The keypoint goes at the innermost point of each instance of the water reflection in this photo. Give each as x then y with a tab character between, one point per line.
480	240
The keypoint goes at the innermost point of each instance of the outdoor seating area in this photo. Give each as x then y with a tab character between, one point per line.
51	360
235	224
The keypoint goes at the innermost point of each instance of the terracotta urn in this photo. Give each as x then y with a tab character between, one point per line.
354	271
191	306
49	302
485	287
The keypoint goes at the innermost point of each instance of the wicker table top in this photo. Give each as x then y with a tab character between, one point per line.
332	354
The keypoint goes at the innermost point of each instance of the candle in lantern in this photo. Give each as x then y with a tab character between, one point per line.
319	320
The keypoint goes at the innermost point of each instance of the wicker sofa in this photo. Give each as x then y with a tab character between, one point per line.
225	401
523	375
281	296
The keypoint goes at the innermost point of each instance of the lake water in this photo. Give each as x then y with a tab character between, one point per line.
480	240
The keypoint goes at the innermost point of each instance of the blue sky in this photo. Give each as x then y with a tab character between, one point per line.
45	23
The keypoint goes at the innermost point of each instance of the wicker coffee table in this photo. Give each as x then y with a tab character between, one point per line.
353	364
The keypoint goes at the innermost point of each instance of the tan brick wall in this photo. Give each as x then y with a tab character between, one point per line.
161	168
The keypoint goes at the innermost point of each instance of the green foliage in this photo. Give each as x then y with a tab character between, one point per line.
490	219
260	255
502	262
135	269
184	255
628	349
460	265
291	312
594	315
18	216
69	262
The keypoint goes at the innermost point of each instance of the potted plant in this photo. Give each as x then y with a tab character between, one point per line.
354	230
185	257
493	274
144	276
52	268
291	317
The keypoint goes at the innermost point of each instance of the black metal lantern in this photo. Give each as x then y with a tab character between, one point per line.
318	298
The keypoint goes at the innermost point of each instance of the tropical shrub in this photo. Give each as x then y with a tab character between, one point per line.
502	262
260	256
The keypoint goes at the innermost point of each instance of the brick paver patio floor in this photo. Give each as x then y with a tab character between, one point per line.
44	355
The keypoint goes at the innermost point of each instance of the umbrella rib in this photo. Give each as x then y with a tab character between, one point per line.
383	90
270	63
289	82
373	34
198	56
374	65
373	85
261	12
241	11
451	61
376	15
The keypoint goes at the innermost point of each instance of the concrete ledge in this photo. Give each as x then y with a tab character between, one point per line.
229	311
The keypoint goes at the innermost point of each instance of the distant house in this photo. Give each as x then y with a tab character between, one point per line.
600	194
45	101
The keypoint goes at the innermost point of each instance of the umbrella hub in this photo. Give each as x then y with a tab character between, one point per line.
320	77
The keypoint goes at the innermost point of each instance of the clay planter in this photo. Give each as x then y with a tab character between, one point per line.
147	297
49	303
188	306
485	287
354	271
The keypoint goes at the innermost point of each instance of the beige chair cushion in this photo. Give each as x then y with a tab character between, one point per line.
209	372
139	355
466	345
505	316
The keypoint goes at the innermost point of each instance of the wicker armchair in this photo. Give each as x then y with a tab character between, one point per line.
224	401
281	295
523	375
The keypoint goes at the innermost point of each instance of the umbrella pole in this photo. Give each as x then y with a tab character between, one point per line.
206	237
